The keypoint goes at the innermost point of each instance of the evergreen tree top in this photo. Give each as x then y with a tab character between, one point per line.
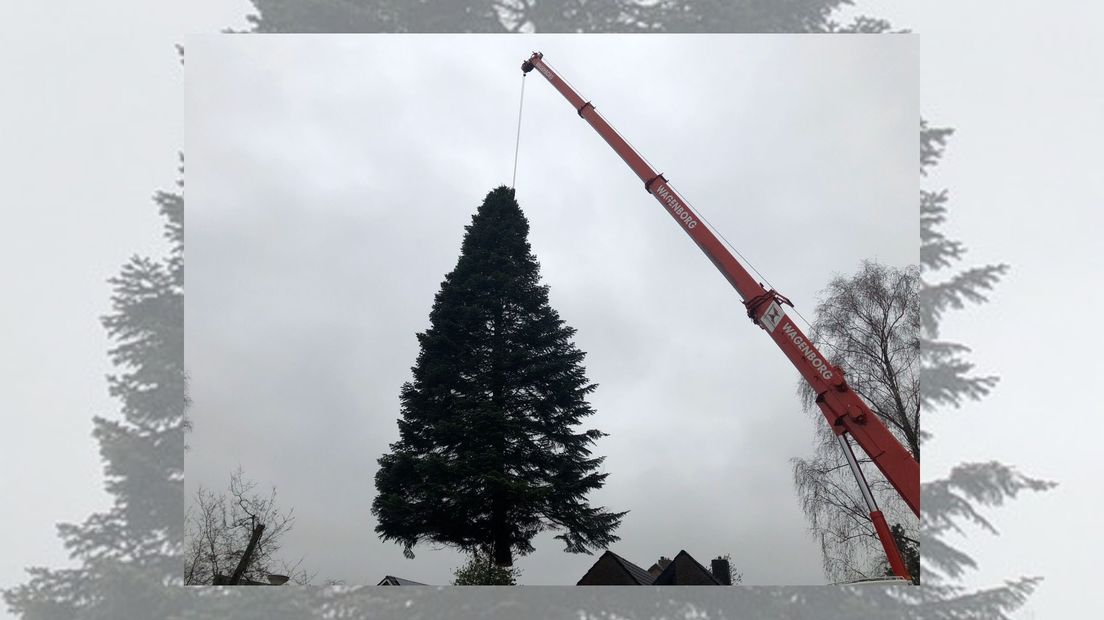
499	224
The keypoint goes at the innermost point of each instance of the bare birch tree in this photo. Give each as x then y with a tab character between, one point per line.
869	325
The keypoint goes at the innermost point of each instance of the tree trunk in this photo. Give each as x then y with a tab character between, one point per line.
244	563
502	553
499	526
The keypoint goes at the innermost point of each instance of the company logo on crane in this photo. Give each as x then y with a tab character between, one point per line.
810	354
772	317
675	206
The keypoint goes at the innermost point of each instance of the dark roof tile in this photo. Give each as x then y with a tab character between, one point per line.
684	570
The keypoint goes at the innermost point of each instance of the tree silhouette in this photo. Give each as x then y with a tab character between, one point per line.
376	16
555	16
947	378
131	551
488	454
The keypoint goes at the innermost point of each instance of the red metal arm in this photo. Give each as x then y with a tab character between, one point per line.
842	407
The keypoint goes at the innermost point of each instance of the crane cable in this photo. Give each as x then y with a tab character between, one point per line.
517	143
717	231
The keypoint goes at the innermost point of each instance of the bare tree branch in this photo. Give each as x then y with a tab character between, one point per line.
218	528
870	324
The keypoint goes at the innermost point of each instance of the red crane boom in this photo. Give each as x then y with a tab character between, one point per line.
844	410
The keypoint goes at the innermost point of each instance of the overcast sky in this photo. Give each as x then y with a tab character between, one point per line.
329	182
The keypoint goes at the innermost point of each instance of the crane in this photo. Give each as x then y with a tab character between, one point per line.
846	413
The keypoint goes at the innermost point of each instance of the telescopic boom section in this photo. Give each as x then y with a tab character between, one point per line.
842	407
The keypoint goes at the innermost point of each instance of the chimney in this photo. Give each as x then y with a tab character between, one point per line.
658	567
720	571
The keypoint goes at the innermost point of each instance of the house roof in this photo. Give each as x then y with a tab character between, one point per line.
391	580
635	573
684	570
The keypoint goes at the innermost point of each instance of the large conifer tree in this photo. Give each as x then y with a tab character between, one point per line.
489	454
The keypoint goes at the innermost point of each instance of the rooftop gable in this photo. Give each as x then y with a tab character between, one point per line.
612	569
684	570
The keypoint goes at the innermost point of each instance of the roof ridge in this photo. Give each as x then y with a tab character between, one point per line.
671	567
637	573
